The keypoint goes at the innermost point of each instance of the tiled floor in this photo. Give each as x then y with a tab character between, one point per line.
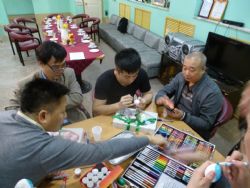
11	71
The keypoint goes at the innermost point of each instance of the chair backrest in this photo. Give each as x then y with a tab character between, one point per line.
225	114
82	16
20	37
23	21
94	23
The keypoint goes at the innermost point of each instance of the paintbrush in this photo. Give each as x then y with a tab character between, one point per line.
245	164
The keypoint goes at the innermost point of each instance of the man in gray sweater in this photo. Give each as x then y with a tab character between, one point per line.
51	59
197	100
28	151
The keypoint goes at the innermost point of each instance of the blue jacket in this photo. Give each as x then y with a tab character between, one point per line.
206	104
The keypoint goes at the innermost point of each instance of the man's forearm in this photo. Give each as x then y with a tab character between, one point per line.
147	98
74	99
106	109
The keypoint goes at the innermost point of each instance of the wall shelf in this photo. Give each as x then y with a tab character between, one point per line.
149	5
246	30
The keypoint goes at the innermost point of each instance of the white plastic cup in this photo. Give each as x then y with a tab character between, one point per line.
97	132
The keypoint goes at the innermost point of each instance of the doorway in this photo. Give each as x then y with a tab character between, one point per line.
93	8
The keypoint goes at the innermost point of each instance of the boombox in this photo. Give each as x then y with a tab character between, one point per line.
178	45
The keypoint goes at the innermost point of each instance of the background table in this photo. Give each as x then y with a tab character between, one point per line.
78	65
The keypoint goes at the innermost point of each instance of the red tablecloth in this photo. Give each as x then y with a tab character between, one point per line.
77	65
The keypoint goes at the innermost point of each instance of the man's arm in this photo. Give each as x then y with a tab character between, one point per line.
209	111
101	108
62	154
163	96
75	97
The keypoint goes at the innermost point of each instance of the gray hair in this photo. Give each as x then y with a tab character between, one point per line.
198	56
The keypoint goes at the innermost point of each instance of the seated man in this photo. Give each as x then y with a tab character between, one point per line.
51	58
115	89
197	99
28	151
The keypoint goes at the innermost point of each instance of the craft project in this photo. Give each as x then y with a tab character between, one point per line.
135	120
100	176
180	140
152	168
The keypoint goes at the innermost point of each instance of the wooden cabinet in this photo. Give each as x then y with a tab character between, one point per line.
169	68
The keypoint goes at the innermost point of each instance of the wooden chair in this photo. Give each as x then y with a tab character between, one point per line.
93	27
224	116
24	42
81	17
18	29
25	21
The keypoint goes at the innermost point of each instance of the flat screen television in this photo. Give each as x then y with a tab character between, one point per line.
228	58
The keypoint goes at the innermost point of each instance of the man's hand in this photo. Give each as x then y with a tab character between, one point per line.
165	101
126	101
157	139
142	103
176	113
237	174
199	180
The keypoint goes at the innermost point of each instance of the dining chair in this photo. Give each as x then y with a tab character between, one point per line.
18	29
24	42
27	22
93	26
225	115
81	17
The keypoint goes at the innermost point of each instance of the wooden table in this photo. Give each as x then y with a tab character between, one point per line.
108	132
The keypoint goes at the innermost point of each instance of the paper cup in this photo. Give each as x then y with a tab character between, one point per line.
97	132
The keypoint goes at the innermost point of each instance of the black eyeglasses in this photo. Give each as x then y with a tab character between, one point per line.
58	68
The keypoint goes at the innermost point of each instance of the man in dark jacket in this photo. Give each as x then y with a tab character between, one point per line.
197	100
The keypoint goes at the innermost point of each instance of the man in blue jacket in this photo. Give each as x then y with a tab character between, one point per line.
197	100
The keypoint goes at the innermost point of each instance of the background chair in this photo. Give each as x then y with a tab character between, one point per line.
224	116
81	17
25	21
93	27
18	29
24	42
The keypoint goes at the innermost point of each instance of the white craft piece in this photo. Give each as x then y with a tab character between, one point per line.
95	171
77	171
136	102
216	168
24	183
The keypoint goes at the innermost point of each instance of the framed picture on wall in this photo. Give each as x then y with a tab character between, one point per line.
218	9
159	2
206	8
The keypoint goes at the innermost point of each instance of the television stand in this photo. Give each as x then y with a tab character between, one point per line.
229	87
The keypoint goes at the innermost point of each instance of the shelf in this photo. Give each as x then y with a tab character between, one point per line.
149	5
247	30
